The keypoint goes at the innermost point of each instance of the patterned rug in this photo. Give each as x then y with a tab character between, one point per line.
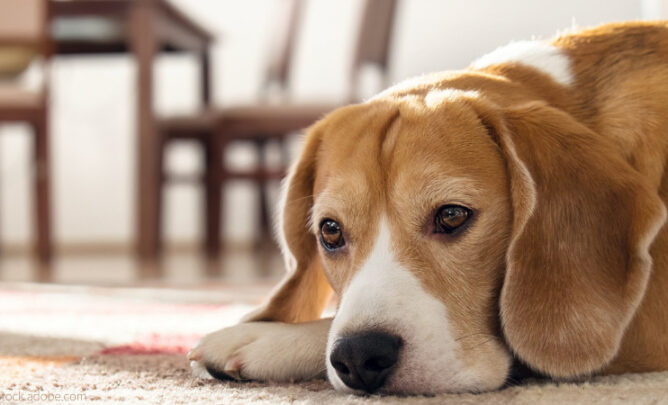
84	344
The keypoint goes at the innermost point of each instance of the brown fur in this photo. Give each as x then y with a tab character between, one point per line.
568	183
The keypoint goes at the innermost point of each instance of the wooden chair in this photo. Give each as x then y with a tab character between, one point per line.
264	122
24	38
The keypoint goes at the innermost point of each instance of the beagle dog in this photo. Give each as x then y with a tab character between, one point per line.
510	212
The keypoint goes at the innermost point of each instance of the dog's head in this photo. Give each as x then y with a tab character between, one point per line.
458	234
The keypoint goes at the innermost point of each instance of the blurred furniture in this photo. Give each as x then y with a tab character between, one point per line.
142	28
266	121
24	40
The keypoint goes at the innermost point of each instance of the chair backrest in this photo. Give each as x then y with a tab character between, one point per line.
373	40
22	22
283	41
372	44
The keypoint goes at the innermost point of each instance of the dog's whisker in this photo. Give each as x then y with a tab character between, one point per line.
491	339
511	381
322	373
474	334
299	199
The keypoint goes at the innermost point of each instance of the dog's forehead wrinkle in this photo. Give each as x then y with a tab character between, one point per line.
434	185
344	188
372	120
388	141
348	198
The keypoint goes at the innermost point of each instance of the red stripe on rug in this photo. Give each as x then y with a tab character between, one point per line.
155	343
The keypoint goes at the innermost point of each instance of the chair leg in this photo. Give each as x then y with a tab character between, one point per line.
160	189
264	215
42	191
213	151
285	155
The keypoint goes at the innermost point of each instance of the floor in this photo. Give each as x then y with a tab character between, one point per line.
109	329
183	268
126	345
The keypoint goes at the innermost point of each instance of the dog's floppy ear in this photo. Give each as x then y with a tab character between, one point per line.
304	291
578	261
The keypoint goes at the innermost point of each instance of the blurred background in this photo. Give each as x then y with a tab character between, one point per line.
141	141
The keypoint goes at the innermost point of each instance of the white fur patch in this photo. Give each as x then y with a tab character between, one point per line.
436	97
544	57
385	295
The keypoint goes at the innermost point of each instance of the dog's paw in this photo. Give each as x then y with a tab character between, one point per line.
265	351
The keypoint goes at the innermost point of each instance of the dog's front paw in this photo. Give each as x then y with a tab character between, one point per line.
265	351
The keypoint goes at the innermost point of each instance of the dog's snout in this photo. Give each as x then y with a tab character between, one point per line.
363	361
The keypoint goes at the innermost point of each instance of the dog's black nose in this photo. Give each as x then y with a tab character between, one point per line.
365	360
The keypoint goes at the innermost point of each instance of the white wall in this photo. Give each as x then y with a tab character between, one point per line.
93	98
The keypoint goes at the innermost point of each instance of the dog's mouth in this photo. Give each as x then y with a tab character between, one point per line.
520	372
399	362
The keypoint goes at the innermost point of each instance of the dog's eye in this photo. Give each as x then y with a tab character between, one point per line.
331	236
450	217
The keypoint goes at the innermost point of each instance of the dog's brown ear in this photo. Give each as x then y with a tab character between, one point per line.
578	261
304	291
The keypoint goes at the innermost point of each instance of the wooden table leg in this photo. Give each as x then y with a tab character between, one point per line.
213	184
264	228
213	195
205	78
42	176
144	46
42	191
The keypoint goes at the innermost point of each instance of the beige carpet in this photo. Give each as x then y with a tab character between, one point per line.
114	346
